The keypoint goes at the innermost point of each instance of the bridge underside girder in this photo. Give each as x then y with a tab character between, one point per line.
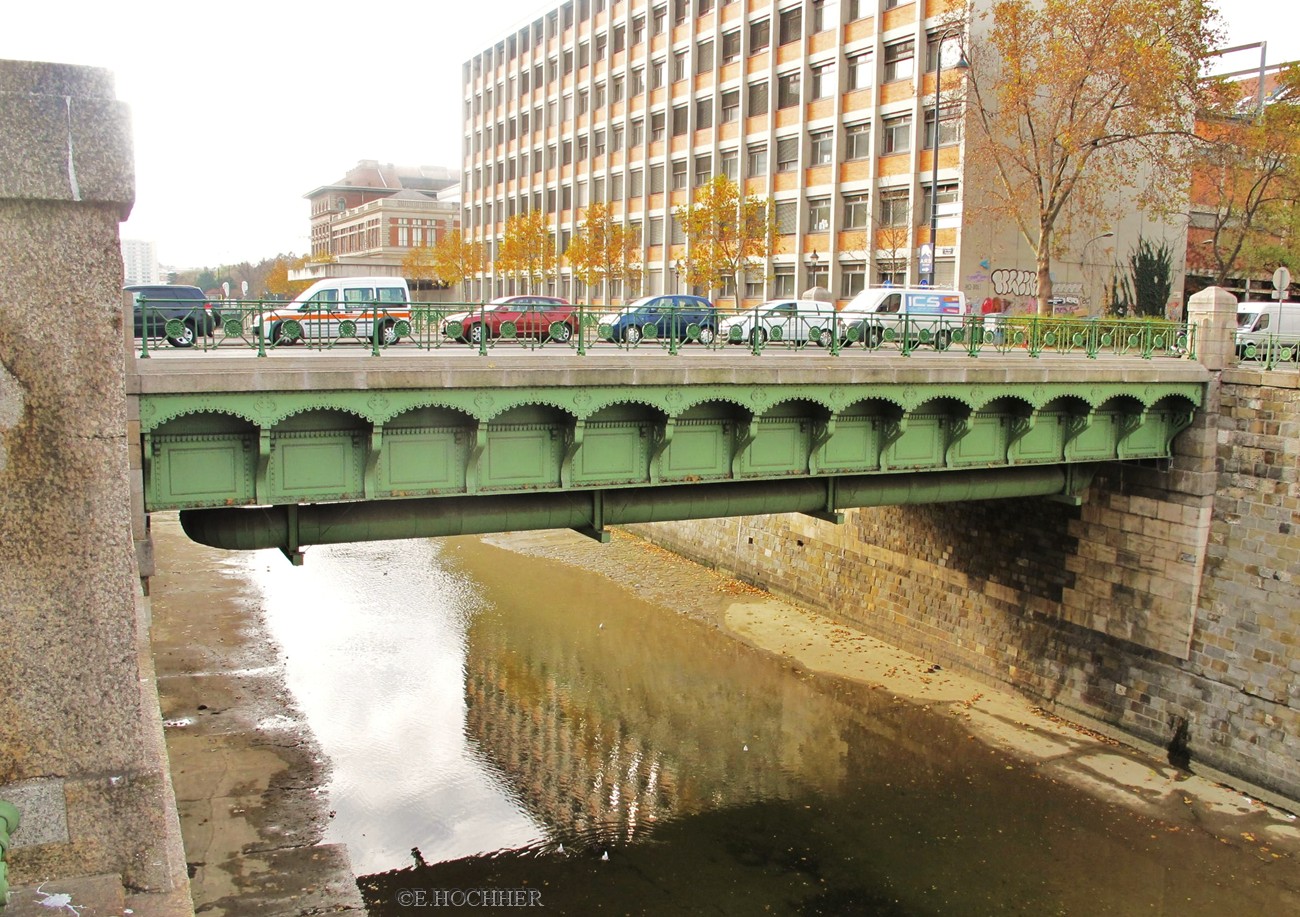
293	527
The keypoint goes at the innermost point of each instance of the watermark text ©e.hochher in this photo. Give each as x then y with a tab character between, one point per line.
469	897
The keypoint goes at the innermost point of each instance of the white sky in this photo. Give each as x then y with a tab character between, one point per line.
240	108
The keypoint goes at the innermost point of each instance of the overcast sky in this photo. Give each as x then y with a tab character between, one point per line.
238	109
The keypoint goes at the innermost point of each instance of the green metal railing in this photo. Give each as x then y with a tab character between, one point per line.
9	821
266	326
1270	352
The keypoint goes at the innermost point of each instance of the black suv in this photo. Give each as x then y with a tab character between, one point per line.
157	304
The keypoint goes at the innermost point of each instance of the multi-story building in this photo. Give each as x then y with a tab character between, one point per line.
828	108
367	222
140	261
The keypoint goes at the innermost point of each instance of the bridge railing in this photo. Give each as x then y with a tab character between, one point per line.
1270	351
266	326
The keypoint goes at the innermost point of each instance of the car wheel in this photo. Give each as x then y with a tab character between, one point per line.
388	333
707	335
186	338
563	333
758	337
873	337
942	340
824	338
475	334
631	334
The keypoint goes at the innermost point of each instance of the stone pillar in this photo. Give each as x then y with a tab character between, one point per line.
81	749
1213	313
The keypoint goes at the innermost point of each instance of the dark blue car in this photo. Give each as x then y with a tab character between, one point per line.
671	315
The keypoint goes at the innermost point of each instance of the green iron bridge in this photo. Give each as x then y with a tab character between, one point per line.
300	448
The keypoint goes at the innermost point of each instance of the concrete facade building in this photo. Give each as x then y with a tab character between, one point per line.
140	262
366	223
828	108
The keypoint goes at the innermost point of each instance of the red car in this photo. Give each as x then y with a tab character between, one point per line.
530	316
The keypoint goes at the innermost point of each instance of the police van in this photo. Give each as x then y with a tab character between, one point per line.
343	308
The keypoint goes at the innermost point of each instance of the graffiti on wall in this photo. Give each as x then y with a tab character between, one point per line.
1009	282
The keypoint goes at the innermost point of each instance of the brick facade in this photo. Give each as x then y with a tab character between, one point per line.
1169	595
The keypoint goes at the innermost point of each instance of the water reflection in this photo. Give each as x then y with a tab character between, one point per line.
527	725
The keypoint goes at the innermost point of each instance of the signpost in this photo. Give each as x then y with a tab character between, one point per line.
1281	283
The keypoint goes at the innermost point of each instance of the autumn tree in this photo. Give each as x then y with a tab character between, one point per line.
1072	102
603	250
457	259
277	281
726	233
527	251
1246	176
420	263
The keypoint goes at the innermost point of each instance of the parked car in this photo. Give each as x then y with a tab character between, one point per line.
930	314
669	315
798	320
346	307
530	316
156	304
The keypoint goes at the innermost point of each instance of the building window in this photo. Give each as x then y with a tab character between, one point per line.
861	71
857	141
783	281
636	133
635	183
656	74
951	51
703	113
949	126
821	147
658	20
823	81
900	62
681	120
857	211
731	47
787	154
896	135
753	286
947	198
731	164
657	178
655	234
760	34
891	273
787	213
791	24
658	121
703	168
704	57
679	175
636	81
679	66
757	98
894	209
598	143
819	214
825	14
730	106
756	157
787	90
853	280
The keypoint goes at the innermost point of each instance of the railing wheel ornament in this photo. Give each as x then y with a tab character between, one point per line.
347	328
735	335
402	328
509	330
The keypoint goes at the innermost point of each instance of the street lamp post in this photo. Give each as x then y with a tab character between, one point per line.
934	151
677	272
1083	256
812	268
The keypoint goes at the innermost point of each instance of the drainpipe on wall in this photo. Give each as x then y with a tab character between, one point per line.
8	825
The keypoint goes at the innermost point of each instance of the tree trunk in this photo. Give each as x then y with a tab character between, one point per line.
1044	265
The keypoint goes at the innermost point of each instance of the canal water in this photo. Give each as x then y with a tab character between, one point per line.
530	720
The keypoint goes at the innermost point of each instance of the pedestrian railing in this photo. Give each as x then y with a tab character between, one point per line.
1269	351
377	327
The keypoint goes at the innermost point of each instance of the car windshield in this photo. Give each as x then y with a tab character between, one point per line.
1246	320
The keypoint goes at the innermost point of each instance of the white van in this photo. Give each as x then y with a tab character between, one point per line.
1258	322
932	314
343	307
796	320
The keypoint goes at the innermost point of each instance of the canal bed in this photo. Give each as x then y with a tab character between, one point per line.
615	729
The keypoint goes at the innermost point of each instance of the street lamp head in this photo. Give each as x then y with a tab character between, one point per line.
813	259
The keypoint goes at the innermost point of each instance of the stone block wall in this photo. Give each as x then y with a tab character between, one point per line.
81	750
1170	595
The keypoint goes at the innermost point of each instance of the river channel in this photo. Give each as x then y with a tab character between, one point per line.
612	729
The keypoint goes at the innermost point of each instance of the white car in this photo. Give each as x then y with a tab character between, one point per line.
797	320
